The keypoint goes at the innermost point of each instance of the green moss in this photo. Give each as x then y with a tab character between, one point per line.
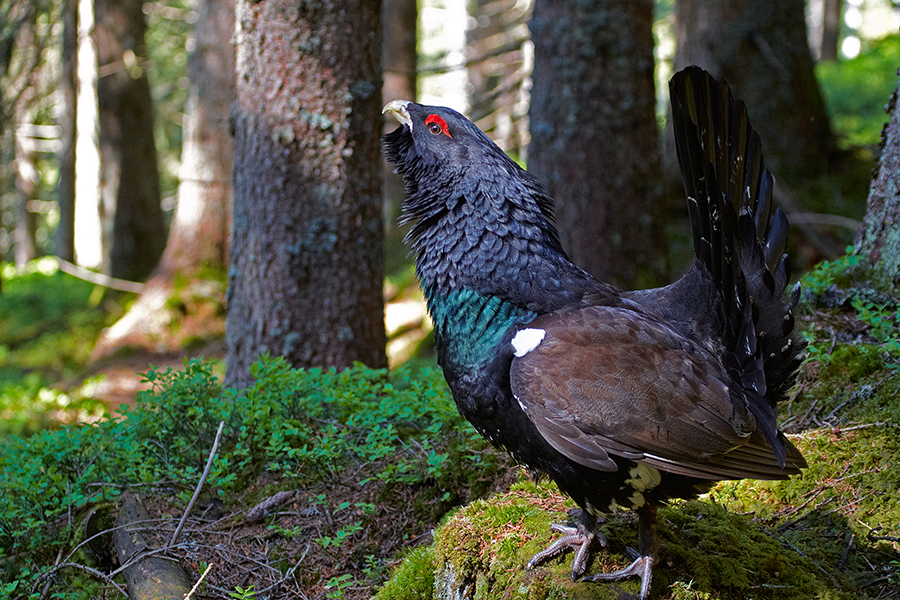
481	551
706	550
733	557
849	490
413	579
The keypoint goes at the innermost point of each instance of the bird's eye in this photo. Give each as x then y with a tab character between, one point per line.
437	125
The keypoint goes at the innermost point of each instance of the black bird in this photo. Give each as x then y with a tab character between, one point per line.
626	399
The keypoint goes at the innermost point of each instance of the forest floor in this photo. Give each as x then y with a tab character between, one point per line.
344	485
116	380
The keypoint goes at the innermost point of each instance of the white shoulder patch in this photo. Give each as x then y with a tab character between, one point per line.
527	340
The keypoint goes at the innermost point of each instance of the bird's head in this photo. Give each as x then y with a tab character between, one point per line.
449	165
481	222
435	136
441	154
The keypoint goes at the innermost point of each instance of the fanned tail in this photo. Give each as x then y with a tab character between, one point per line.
741	238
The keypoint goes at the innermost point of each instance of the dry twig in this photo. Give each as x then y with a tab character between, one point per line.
209	462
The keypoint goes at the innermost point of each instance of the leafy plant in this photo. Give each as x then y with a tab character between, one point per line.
337	585
303	426
239	593
882	322
340	537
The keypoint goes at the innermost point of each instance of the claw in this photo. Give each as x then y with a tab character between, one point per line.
643	560
577	538
642	567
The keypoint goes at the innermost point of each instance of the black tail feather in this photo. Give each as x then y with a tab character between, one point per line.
740	237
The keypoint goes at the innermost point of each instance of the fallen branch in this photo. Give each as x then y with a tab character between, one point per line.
148	577
99	278
199	581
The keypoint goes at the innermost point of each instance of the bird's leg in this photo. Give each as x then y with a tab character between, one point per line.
643	564
578	538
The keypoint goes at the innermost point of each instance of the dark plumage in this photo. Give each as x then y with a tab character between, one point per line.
625	399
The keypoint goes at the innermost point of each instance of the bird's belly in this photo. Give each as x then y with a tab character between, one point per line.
631	487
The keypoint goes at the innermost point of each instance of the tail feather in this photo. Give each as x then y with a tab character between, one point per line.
740	236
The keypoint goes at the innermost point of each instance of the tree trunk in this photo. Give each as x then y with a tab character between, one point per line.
202	220
498	71
761	48
831	29
307	258
878	242
400	60
64	246
134	230
27	178
594	139
197	249
88	230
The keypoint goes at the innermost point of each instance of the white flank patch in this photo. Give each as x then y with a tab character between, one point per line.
527	340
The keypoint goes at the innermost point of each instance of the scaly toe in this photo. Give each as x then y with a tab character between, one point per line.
642	567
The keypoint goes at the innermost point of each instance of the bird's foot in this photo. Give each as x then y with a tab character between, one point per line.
577	538
642	567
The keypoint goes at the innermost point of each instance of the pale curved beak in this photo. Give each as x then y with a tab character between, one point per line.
397	108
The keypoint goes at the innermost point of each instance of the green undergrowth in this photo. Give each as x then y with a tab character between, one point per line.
49	322
852	328
856	90
705	551
299	428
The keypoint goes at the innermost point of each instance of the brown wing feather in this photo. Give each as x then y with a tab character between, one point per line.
607	380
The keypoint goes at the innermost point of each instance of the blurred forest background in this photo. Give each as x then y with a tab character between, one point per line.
202	178
113	117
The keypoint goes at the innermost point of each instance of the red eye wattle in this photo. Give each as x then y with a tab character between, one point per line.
437	124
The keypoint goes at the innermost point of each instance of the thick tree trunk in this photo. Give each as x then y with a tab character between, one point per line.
878	241
594	139
197	248
134	230
64	246
202	220
761	48
307	258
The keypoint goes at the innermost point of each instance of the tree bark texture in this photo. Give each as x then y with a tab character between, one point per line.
307	261
64	243
761	48
134	229
594	138
878	241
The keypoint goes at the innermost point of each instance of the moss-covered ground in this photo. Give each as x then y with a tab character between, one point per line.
386	491
832	532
